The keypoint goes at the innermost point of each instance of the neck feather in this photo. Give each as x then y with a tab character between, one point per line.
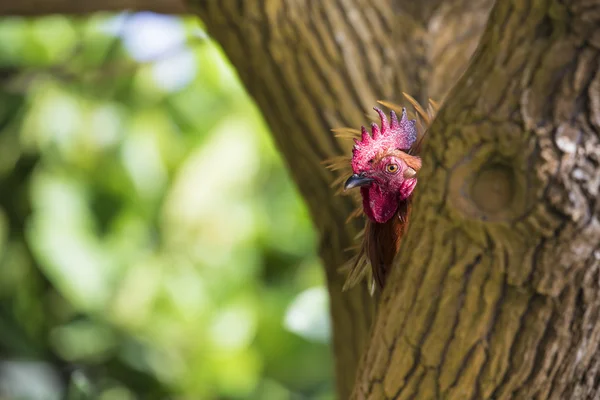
382	241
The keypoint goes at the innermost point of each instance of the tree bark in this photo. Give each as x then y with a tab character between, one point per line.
495	293
316	65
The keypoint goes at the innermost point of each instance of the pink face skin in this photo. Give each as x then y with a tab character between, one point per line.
382	196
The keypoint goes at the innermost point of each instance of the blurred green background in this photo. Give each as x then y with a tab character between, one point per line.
152	244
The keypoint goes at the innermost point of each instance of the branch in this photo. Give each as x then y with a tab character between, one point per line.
34	8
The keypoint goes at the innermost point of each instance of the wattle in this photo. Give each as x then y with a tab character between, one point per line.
378	205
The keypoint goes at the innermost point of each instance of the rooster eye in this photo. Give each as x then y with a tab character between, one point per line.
391	168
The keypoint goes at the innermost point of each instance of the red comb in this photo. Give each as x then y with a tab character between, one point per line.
397	135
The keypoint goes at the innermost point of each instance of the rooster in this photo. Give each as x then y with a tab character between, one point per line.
384	167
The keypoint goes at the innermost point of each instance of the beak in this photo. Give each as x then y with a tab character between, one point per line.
357	180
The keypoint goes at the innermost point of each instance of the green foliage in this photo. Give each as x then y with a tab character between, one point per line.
151	240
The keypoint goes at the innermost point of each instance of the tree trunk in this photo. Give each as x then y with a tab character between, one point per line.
316	65
496	291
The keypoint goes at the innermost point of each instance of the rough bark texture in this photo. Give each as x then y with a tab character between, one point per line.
316	65
497	292
44	7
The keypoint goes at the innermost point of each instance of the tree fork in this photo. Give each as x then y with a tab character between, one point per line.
316	65
495	293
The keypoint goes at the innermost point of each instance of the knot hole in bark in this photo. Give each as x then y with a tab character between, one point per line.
489	186
493	188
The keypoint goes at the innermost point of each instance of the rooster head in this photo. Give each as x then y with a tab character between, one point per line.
382	166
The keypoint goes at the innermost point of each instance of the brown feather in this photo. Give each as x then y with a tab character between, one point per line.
383	242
